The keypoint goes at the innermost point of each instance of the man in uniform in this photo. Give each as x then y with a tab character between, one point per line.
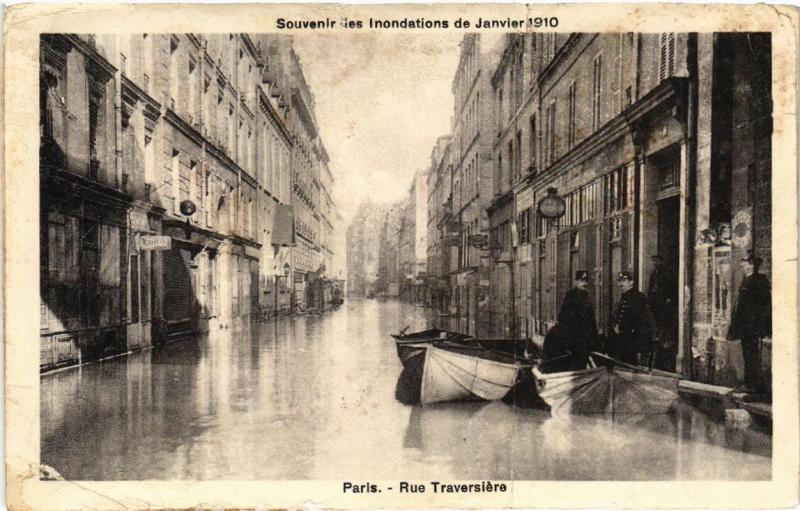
576	322
752	320
632	324
662	298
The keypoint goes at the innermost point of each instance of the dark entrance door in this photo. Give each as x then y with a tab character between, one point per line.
663	288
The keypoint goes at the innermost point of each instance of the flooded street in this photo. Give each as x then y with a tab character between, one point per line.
313	398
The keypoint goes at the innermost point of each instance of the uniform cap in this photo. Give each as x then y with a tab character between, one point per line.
752	258
624	275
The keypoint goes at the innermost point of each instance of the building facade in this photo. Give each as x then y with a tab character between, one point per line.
636	133
437	250
166	166
472	182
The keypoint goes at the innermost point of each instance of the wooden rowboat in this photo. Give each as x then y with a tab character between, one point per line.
613	387
410	345
452	371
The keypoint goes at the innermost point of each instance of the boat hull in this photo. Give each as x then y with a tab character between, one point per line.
452	376
613	388
411	345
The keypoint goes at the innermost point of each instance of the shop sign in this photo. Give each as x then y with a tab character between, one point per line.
480	241
153	242
552	206
524	200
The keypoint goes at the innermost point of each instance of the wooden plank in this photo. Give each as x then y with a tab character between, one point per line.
704	389
760	409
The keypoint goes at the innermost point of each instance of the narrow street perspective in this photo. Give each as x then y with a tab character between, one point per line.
537	256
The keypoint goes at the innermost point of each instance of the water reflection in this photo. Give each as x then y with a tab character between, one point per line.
313	398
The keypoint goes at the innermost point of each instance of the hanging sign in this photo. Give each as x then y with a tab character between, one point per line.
552	206
152	242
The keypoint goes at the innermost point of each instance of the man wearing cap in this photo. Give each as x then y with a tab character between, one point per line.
752	320
576	322
632	324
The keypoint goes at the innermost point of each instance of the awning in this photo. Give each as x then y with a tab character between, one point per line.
283	225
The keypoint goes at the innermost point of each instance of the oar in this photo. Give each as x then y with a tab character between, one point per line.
621	364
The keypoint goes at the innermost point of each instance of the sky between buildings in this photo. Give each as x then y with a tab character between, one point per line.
381	103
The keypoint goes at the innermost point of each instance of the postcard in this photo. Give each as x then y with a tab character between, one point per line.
401	256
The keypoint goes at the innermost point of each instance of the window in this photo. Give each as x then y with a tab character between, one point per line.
173	177
134	264
147	61
571	120
500	112
174	75
195	183
498	173
597	84
616	192
550	134
149	159
518	159
193	86
523	222
550	46
96	111
518	78
511	160
666	58
532	149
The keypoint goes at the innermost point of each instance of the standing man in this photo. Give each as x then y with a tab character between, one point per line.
632	324
576	321
663	301
752	320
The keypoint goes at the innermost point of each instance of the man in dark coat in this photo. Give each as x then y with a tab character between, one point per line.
577	327
752	320
632	324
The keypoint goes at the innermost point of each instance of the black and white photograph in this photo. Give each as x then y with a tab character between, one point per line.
412	256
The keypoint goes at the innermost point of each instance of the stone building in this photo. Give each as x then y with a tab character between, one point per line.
472	180
413	240
363	247
659	145
437	251
166	167
389	250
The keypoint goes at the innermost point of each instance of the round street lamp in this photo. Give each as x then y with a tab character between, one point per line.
552	206
188	207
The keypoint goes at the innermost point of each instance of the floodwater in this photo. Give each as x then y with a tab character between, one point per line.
313	398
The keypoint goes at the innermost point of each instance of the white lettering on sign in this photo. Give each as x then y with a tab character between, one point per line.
149	242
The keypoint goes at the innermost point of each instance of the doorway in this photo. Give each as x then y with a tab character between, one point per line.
663	284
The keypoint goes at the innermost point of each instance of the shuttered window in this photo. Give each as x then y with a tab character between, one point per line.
666	64
597	89
571	113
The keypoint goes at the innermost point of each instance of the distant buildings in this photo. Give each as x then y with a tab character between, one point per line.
363	247
184	187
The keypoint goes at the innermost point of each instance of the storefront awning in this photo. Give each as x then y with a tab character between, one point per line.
283	225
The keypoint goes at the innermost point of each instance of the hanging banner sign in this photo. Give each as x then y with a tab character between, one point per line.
152	242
